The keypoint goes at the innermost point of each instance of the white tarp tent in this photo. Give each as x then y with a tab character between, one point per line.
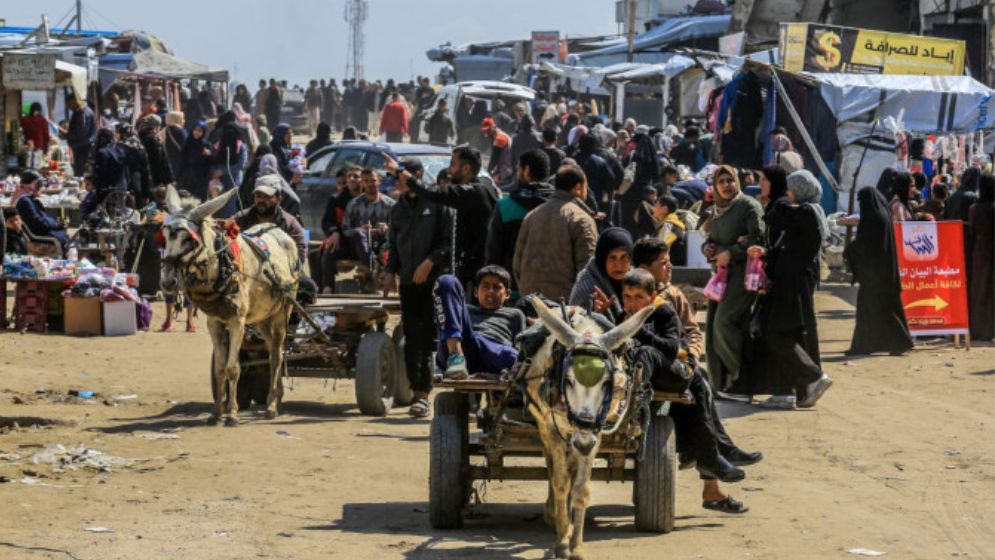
956	104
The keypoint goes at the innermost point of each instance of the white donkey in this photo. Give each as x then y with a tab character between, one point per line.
247	279
594	393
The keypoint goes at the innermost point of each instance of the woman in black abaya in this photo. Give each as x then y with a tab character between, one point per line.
872	257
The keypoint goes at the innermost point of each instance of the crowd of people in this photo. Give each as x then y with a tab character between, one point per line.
580	210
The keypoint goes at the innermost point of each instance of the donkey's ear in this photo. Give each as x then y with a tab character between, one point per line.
173	203
207	209
617	336
561	331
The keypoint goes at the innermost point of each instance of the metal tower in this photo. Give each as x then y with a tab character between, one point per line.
355	14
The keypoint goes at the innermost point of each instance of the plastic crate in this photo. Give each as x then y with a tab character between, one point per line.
31	305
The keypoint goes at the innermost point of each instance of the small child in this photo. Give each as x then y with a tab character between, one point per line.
937	201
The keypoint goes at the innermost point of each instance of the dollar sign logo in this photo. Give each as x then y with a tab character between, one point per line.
830	56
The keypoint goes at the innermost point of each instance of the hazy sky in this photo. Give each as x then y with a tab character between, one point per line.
300	39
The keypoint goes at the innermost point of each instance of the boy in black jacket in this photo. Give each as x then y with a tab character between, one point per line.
660	348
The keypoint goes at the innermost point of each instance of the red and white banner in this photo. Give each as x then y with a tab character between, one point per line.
934	282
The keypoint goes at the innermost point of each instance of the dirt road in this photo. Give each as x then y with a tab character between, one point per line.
899	458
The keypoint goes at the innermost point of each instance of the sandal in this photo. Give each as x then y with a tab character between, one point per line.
191	328
727	505
166	327
419	408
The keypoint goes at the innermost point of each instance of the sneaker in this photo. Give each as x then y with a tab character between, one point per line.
779	402
815	390
456	367
734	397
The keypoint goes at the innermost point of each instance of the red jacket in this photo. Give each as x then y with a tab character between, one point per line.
36	128
394	117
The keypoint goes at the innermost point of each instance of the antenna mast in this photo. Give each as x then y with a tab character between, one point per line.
355	15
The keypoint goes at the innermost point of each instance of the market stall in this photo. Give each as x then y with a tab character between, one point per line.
73	297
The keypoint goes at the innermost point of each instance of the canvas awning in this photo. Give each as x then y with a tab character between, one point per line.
671	32
925	104
154	64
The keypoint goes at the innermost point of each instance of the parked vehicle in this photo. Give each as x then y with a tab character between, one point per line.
485	90
292	111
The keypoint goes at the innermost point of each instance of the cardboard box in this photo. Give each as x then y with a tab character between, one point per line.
119	318
83	316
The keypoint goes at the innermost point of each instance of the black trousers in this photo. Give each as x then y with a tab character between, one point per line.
81	154
797	368
418	321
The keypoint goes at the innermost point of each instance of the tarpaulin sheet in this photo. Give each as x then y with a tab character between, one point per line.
925	103
671	31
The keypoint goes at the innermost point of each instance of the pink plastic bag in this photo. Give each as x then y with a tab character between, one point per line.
755	278
716	287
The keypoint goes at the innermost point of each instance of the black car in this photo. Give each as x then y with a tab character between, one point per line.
319	183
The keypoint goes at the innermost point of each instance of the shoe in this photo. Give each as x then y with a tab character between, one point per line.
191	328
741	458
456	367
724	471
734	397
684	462
815	390
779	402
166	327
728	505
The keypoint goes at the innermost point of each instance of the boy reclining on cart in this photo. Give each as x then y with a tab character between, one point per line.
476	338
699	430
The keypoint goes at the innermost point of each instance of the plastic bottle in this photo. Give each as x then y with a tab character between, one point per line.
73	254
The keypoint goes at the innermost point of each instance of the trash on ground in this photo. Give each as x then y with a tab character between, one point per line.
98	530
78	457
865	552
125	397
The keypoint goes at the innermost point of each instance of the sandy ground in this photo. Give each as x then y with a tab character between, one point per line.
899	457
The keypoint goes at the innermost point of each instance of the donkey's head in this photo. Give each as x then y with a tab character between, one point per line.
587	369
182	232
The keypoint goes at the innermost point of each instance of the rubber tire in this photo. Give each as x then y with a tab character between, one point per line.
403	395
449	458
374	355
244	389
655	491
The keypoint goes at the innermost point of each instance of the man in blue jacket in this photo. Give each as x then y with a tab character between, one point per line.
33	214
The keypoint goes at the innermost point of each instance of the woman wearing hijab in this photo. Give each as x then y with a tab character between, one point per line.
197	155
242	96
251	172
599	284
322	138
757	376
230	154
139	176
785	154
281	144
175	137
160	172
981	222
790	332
884	184
872	257
901	194
734	225
647	174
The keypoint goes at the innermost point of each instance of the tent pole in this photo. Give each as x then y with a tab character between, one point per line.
666	99
804	132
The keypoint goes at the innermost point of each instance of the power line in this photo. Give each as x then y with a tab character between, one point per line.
92	11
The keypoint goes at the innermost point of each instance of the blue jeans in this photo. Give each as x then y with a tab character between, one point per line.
453	321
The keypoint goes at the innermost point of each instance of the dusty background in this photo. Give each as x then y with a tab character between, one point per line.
899	458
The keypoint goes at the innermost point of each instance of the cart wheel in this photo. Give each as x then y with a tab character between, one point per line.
375	374
244	389
655	488
402	385
448	486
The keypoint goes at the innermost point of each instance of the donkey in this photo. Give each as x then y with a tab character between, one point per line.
593	387
236	281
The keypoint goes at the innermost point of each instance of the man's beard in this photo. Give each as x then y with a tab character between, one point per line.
266	211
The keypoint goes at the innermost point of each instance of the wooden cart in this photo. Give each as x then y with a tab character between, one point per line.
357	347
460	456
